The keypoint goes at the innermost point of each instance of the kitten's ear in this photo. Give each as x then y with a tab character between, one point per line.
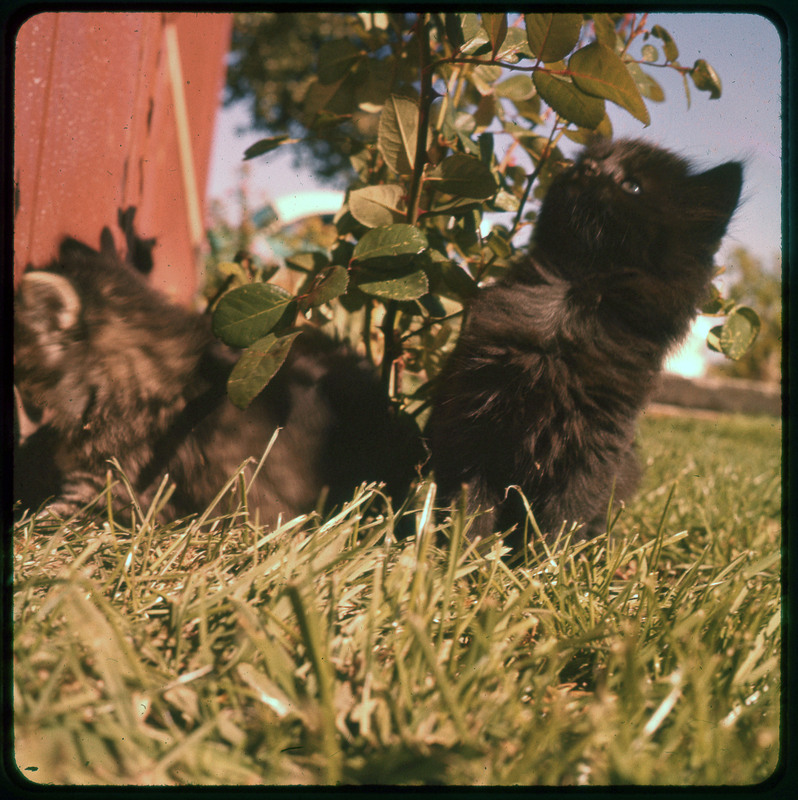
716	192
107	245
72	248
51	297
139	251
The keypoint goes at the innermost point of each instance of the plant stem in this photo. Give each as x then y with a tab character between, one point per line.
367	332
393	348
425	101
390	349
429	323
532	177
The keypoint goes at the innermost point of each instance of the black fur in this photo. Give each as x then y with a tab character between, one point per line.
554	365
108	368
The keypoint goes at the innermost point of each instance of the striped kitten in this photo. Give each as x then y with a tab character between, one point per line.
105	367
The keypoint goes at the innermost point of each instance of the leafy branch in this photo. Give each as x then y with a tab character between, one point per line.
424	104
417	102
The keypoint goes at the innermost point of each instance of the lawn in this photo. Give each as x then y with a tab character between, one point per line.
215	651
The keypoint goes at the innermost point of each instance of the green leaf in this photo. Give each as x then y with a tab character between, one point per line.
552	36
478	45
486	148
568	100
397	133
454	30
257	366
267	145
495	26
484	76
233	269
529	109
390	241
311	261
485	111
605	30
458	280
375	206
466	232
505	201
735	337
706	79
686	89
407	283
317	100
647	86
463	176
649	53
716	304
471	25
464	124
514	47
336	59
668	45
376	88
584	136
248	313
429	303
516	87
327	285
460	126
597	70
452	207
498	243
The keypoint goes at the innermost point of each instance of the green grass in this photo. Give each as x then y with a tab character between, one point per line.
219	652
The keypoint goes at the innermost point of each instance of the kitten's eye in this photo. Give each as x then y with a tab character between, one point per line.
631	186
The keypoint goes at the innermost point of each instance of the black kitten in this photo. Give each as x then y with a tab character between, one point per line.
108	368
554	364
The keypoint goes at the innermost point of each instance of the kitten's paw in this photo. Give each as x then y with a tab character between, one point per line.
58	511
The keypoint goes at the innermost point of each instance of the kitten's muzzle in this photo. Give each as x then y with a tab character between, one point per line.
590	177
589	168
579	179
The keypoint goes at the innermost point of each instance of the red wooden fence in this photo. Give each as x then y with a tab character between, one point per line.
113	110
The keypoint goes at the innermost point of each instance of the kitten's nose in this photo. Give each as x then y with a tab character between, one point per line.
590	167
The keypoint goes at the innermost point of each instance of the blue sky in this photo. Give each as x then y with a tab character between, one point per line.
743	124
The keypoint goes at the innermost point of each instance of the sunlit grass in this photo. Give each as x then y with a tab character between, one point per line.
220	652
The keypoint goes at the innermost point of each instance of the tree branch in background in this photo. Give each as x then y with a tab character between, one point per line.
425	101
